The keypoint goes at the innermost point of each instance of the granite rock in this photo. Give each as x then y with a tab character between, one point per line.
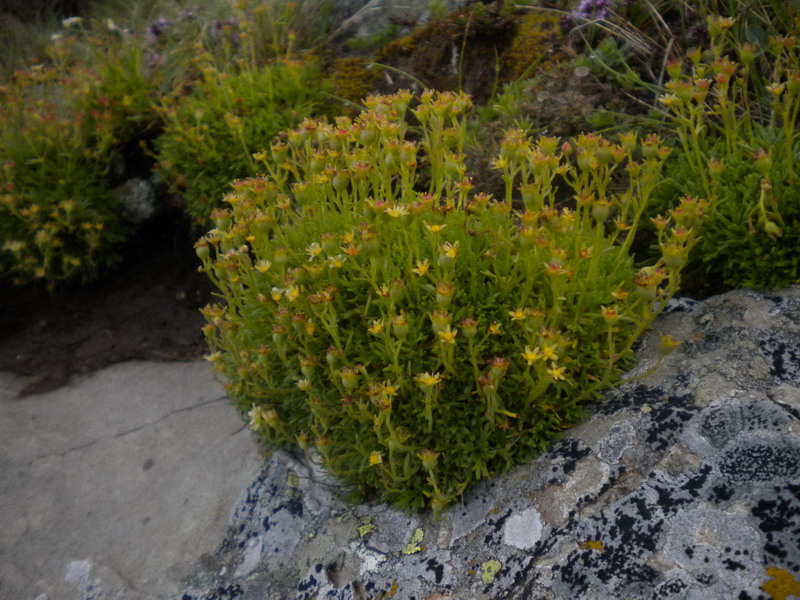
684	483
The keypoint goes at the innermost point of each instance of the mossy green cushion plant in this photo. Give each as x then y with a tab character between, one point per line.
737	130
211	134
416	337
58	219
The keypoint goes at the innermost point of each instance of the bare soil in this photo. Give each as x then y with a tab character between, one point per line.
147	308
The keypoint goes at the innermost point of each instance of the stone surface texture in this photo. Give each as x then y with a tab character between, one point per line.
113	486
684	484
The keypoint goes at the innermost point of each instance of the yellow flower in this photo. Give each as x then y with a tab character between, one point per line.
435	228
214	357
447	335
776	89
449	250
495	329
388	389
375	458
620	294
348	239
518	314
263	266
255	417
303	385
336	262
531	355
422	267
556	372
668	100
397	211
276	293
427	380
313	251
292	293
376	327
549	352
499	163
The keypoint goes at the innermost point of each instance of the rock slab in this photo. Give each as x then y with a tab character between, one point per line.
684	484
113	486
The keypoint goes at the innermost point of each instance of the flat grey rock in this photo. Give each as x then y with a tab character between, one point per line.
114	486
685	483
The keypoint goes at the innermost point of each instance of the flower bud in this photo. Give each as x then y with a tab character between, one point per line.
202	250
429	459
350	378
762	162
400	325
772	229
469	327
674	68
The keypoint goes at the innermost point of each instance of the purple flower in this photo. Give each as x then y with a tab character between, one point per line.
592	9
156	30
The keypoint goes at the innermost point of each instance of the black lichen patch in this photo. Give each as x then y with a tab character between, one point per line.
733	565
778	516
720	423
307	584
496	525
229	592
630	533
761	462
672	588
437	568
565	455
671	497
294	506
667	422
765	416
784	359
638	397
720	494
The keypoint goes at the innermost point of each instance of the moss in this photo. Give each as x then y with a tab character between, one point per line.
536	42
353	79
456	52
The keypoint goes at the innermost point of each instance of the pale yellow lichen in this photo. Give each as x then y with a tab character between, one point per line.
367	526
414	544
490	568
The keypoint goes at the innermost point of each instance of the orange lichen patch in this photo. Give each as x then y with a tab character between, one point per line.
782	585
592	545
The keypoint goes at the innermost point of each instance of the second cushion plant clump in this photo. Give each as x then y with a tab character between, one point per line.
418	336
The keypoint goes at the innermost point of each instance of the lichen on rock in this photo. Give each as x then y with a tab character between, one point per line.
695	497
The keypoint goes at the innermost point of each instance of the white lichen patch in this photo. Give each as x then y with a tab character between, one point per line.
523	530
370	559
